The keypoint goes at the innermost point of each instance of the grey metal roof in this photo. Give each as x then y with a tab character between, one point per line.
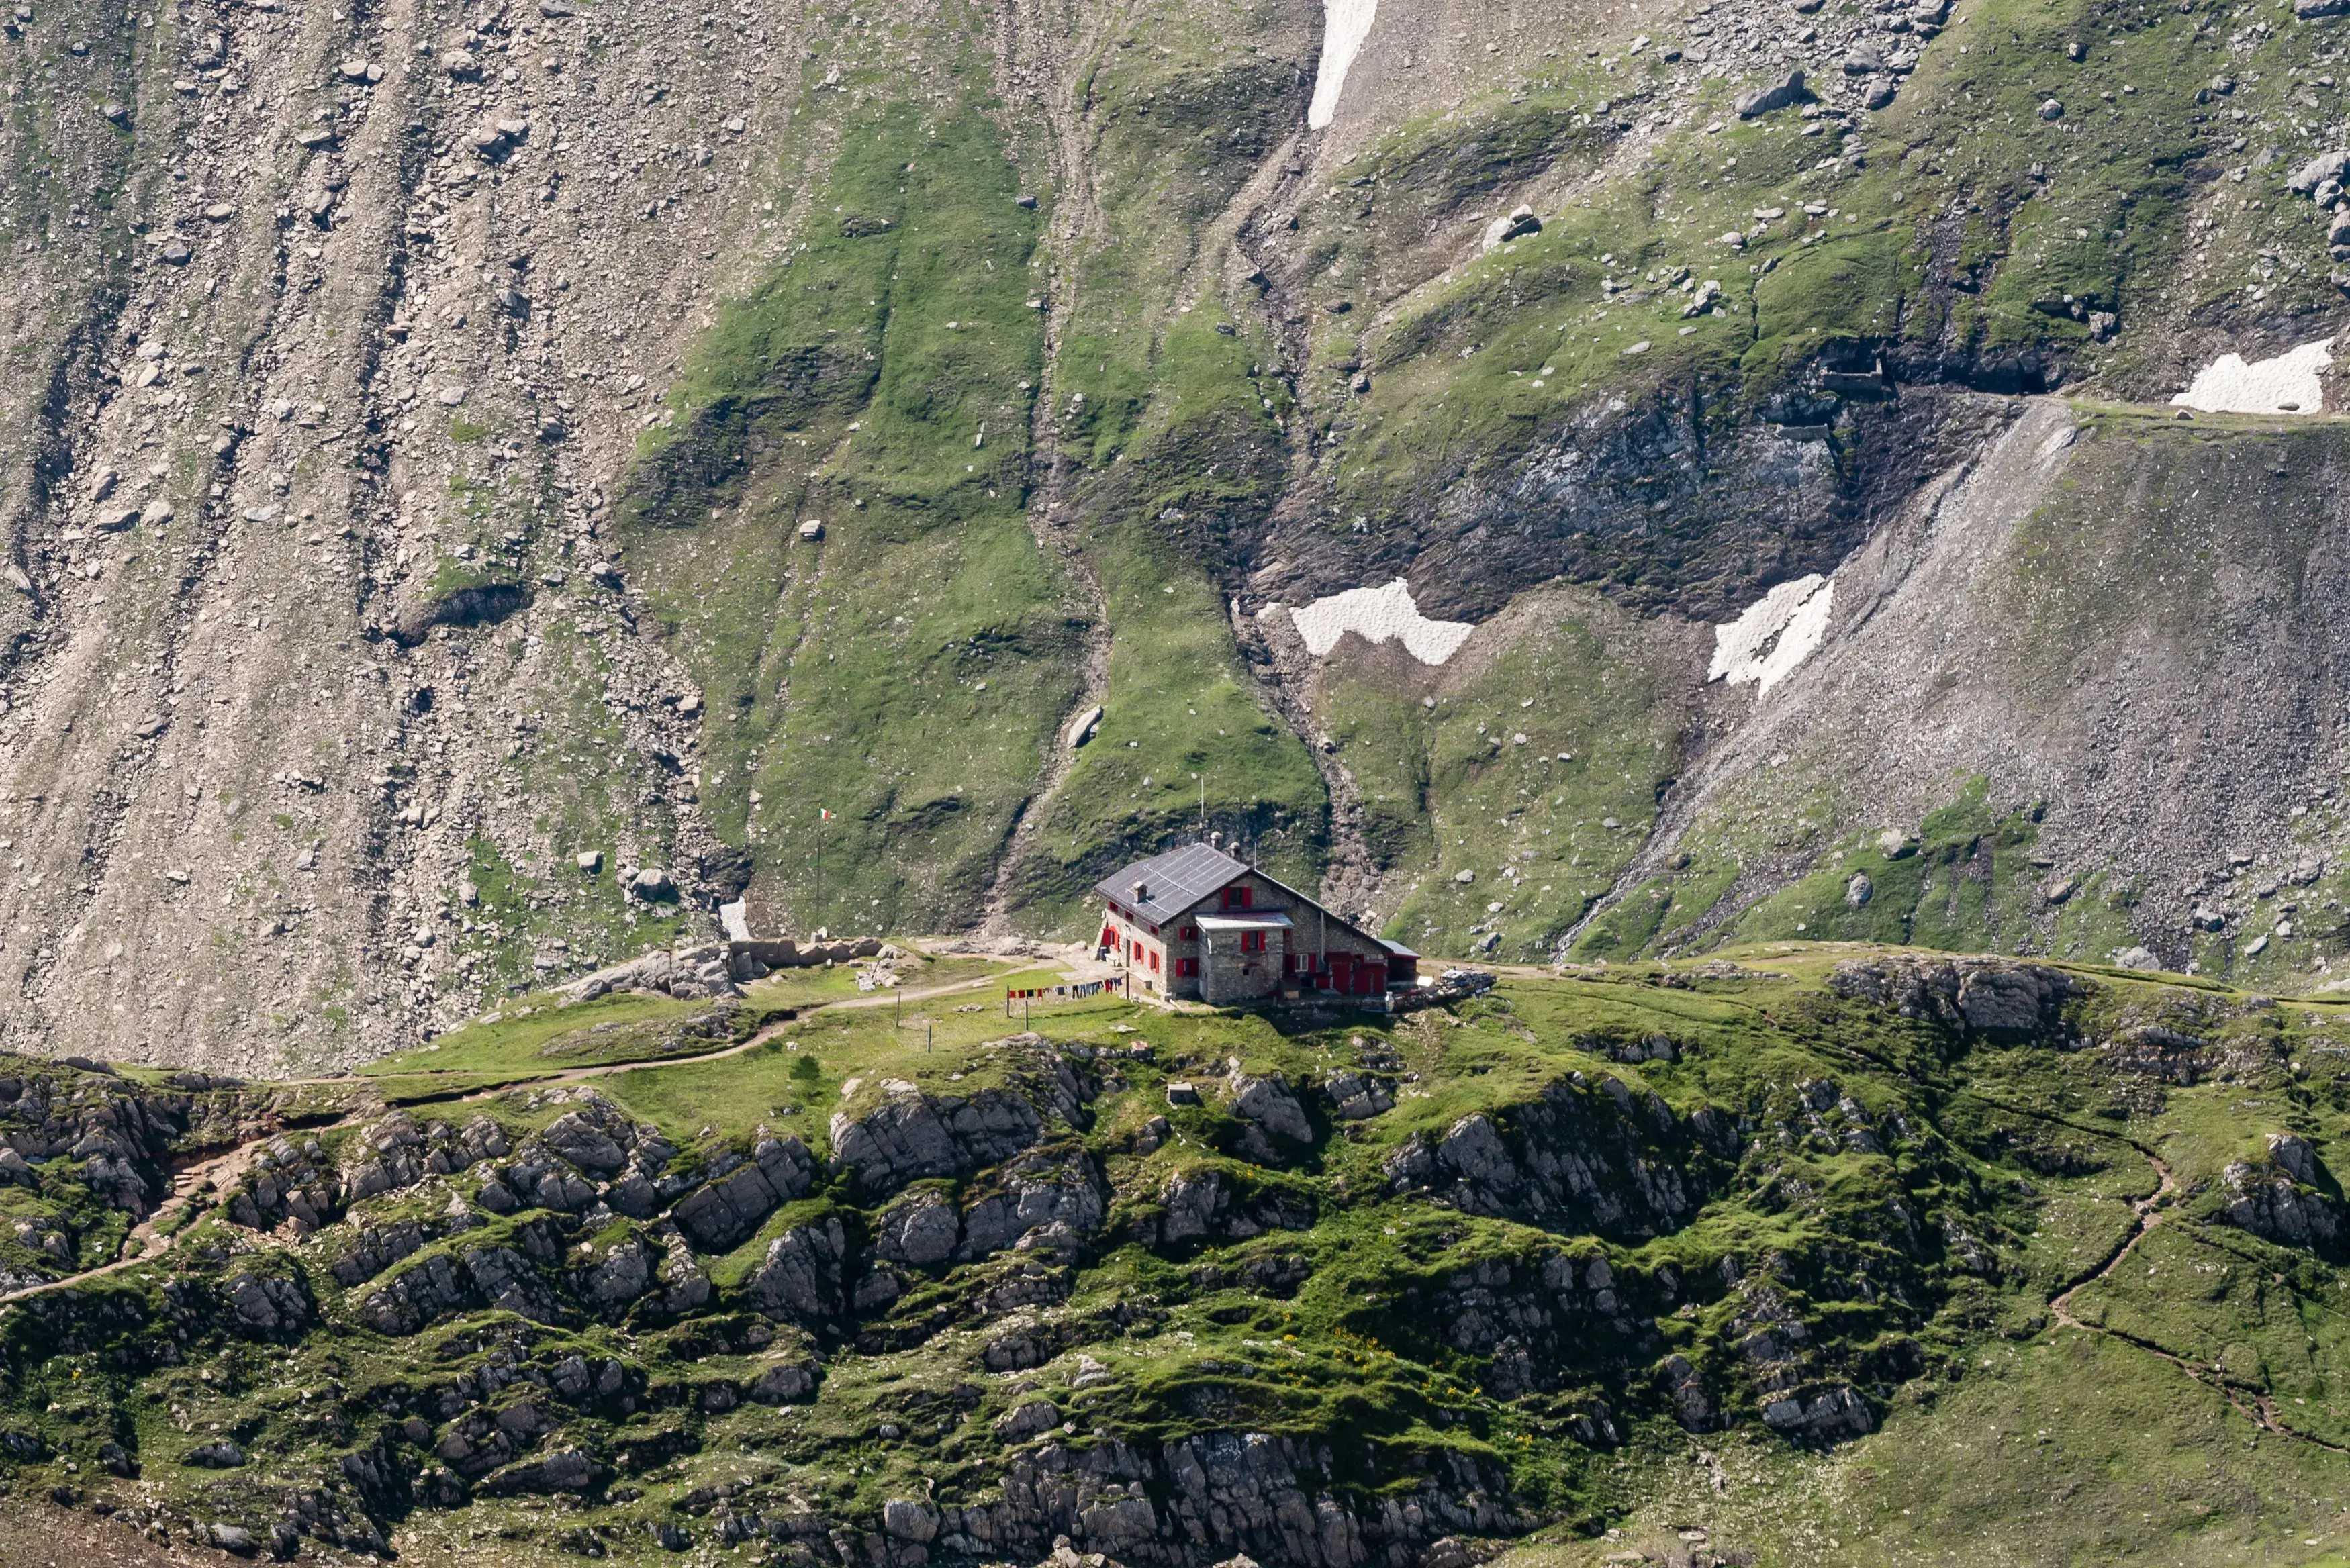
1176	881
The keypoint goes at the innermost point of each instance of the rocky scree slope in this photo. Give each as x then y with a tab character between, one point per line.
1361	1295
333	328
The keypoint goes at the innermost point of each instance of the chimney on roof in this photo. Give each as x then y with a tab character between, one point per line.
1141	891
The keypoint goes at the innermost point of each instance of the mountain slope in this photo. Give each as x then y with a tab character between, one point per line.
492	379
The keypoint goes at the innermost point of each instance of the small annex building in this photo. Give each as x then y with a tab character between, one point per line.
1197	924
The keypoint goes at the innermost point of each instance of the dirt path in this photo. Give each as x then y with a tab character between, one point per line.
2253	1406
860	1003
2149	1215
147	1242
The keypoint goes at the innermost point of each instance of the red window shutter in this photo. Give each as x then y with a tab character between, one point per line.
1289	963
1154	963
1248	897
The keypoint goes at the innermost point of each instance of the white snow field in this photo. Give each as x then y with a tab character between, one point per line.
1378	615
1778	632
2287	384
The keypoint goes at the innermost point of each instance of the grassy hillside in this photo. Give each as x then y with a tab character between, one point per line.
1526	777
907	670
1833	1252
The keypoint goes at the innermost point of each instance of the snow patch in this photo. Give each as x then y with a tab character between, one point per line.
1377	616
1345	25
2287	384
1778	632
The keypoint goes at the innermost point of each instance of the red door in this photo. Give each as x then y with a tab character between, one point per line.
1341	978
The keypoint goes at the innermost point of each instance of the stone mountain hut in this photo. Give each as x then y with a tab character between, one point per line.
1195	923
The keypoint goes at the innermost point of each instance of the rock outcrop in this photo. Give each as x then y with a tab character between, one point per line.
1989	996
725	1211
911	1136
1579	1156
799	1280
2287	1196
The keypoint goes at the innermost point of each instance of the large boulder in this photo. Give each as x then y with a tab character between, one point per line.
1356	1096
799	1280
577	1139
1032	1419
1265	1101
1985	996
619	1276
2284	1195
921	1230
1038	1194
1775	94
266	1305
785	1382
1824	1417
1580	1155
564	1469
